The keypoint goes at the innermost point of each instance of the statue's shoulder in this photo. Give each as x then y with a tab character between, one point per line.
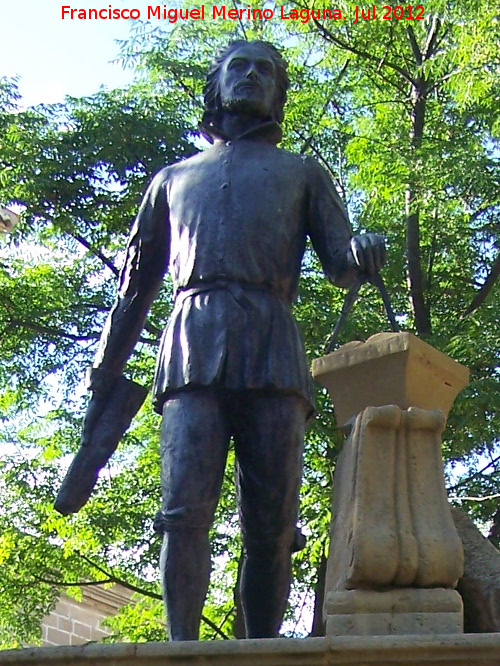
161	177
313	169
282	156
304	163
297	158
170	169
184	163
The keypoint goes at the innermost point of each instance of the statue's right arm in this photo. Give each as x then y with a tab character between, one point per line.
146	263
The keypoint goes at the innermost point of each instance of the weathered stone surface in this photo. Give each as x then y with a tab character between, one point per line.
389	369
458	650
8	220
480	584
391	522
398	611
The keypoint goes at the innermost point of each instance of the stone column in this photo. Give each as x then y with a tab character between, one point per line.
395	556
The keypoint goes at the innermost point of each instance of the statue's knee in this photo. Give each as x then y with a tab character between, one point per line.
197	518
289	540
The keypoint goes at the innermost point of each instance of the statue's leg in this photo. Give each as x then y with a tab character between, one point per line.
269	433
194	443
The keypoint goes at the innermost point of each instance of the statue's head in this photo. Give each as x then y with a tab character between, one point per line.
246	77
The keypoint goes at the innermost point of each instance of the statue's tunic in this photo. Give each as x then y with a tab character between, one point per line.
232	223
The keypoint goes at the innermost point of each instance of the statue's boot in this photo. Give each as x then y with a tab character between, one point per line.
265	585
185	571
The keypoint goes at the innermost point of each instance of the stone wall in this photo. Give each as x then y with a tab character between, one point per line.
75	622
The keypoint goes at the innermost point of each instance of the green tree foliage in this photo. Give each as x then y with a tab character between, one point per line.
405	116
79	170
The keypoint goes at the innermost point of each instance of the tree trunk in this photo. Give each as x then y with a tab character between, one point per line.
415	281
480	584
318	625
239	630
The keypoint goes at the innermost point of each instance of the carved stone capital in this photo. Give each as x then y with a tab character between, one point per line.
389	369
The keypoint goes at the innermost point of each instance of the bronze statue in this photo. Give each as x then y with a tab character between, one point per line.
231	222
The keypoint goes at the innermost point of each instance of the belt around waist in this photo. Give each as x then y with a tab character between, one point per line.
237	289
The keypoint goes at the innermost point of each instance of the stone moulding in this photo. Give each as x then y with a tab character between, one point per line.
400	611
391	523
458	650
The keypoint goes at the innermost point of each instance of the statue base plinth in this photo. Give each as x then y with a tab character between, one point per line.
400	611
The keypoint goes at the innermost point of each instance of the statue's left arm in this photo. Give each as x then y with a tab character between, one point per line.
343	256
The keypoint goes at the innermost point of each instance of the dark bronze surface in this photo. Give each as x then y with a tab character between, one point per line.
115	416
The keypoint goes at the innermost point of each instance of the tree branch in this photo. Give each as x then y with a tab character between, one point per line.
432	36
50	331
494	534
240	22
473	217
443	78
307	142
330	37
97	253
431	257
80	583
318	625
59	333
414	46
480	472
316	152
112	578
487	286
485	498
190	93
420	309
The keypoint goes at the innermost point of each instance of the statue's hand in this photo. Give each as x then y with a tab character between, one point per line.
367	253
100	382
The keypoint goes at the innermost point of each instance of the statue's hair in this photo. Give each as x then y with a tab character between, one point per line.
211	93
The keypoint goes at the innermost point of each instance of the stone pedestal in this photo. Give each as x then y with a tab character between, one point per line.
395	556
471	650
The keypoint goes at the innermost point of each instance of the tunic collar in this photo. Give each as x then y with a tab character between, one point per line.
269	131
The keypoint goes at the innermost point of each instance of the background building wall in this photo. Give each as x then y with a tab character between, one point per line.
75	622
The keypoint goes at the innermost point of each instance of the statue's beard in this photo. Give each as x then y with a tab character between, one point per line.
243	105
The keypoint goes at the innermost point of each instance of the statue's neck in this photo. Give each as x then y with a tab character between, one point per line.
234	125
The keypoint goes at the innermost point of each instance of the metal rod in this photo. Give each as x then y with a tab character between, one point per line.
349	301
377	281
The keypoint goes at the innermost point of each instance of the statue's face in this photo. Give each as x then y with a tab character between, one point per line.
247	81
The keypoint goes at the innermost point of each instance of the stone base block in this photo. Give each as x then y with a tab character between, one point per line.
403	611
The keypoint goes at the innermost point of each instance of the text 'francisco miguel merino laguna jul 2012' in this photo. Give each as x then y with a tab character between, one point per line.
174	14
